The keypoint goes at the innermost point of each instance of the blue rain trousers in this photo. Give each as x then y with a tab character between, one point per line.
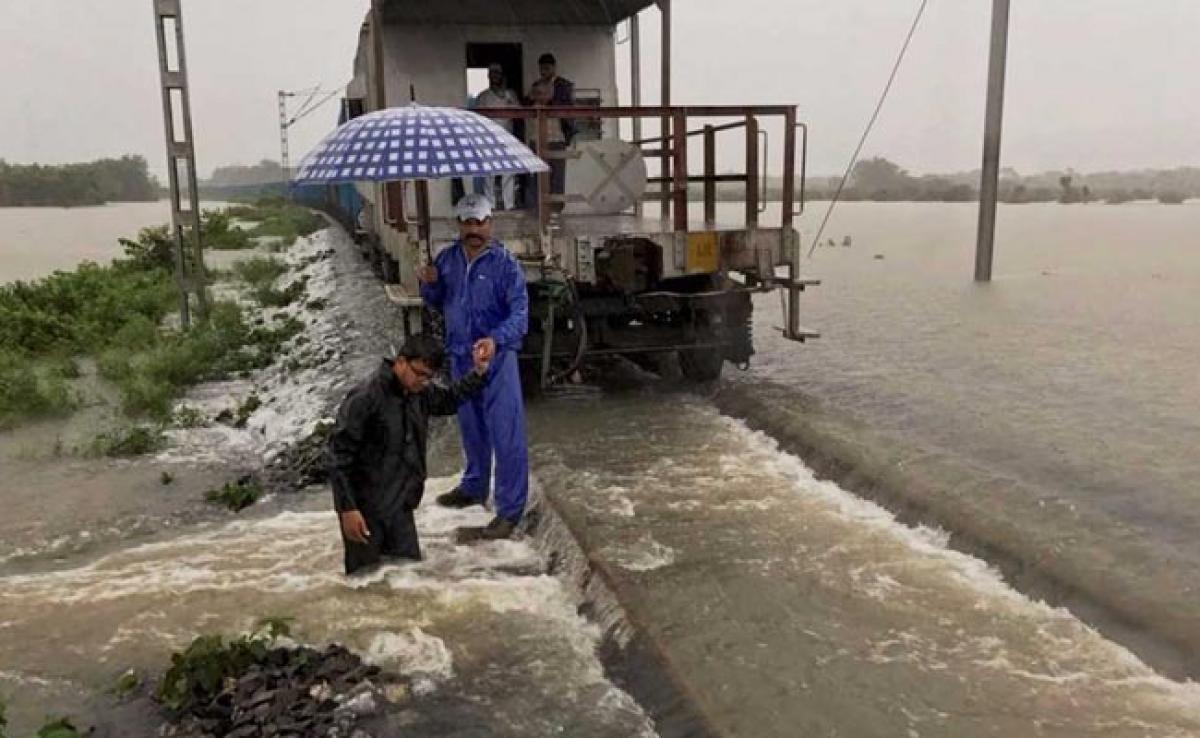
487	298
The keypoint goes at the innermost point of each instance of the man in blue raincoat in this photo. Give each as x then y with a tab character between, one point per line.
480	289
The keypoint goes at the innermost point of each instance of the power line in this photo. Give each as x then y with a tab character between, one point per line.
867	131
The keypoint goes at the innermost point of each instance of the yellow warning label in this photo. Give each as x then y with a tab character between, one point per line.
703	252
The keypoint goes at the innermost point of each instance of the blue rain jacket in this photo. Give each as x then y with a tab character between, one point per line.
487	298
481	299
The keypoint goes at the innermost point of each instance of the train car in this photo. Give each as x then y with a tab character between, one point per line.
652	236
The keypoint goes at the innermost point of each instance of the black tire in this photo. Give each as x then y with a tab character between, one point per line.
701	365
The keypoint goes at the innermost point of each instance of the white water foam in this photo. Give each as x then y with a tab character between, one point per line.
293	402
1063	634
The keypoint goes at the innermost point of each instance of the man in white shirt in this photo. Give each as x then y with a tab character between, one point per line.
497	95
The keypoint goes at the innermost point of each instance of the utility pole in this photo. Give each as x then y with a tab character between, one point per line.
989	182
310	104
172	69
283	136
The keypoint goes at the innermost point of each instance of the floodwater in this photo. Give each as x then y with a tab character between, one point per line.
1065	388
795	608
1058	403
104	568
36	241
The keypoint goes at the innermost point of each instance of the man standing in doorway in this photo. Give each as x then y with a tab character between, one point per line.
561	93
480	289
498	95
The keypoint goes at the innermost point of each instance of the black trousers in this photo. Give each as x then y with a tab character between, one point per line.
393	536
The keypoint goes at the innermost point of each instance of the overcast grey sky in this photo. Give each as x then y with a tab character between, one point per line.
1092	84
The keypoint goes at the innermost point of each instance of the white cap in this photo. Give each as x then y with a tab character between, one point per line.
473	207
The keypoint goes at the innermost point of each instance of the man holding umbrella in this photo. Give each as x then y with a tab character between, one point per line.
480	289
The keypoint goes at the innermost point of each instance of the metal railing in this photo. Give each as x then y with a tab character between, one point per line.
672	149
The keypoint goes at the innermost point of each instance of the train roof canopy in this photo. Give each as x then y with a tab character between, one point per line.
512	12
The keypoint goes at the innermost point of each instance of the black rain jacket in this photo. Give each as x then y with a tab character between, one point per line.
376	452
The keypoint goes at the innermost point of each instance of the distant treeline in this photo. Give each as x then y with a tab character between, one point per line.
126	179
266	172
880	180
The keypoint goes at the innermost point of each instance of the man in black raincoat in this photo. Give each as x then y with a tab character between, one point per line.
377	450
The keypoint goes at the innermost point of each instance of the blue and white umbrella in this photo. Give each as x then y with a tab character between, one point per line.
415	143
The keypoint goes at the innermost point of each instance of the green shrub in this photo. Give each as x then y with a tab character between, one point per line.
132	440
59	728
236	496
80	311
26	393
152	378
259	271
268	296
220	235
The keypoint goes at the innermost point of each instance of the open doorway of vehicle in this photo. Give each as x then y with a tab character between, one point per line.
479	56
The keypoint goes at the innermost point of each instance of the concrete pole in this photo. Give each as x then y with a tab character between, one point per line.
635	84
664	7
989	182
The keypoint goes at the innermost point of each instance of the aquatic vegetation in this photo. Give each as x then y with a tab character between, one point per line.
59	728
259	271
188	417
217	232
198	673
270	297
28	391
126	684
118	314
133	440
254	686
236	496
152	378
245	410
276	217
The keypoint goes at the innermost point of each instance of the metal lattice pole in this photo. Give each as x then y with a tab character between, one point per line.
283	135
180	150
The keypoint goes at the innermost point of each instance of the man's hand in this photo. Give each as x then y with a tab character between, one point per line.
481	358
354	526
486	347
427	274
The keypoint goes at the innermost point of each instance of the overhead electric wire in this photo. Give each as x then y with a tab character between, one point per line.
870	123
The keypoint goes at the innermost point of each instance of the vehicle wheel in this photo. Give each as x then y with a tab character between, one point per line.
701	365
